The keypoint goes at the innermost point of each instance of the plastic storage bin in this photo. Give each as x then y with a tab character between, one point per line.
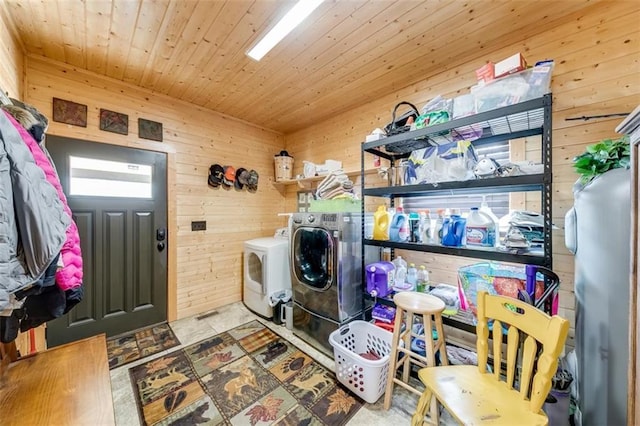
367	378
494	278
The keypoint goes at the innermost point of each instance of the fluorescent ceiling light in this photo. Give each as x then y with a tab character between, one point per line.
292	19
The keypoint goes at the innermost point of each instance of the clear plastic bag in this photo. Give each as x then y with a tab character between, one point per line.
453	161
449	295
438	104
463	106
437	111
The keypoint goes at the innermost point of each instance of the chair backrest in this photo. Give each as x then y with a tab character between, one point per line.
533	338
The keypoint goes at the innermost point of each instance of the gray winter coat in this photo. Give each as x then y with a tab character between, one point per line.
32	218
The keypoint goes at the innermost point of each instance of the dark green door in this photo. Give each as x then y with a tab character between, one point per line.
118	197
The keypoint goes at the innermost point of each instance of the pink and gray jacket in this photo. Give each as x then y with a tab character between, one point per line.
70	275
33	222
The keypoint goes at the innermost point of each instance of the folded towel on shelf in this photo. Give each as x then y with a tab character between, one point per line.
336	183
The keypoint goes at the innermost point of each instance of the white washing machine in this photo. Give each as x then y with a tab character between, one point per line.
266	271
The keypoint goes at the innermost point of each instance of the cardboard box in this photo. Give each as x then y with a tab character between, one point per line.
486	73
512	64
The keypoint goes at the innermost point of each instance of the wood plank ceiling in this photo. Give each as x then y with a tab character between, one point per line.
346	53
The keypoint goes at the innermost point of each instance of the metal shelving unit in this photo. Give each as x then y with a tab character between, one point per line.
532	257
468	187
528	118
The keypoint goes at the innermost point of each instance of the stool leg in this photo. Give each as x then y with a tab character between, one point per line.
428	341
443	345
431	358
393	358
406	363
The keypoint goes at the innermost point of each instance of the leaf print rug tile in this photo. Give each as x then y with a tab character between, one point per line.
245	376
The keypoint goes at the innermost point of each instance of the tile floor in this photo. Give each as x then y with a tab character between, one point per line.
191	330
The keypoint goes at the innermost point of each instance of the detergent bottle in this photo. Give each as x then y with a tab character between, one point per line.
480	229
381	224
399	228
405	229
414	227
453	231
435	230
425	224
399	281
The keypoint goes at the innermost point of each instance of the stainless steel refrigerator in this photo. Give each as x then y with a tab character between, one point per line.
597	231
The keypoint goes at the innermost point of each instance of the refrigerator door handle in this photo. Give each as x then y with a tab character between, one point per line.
570	233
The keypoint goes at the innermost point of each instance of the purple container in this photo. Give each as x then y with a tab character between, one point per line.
379	278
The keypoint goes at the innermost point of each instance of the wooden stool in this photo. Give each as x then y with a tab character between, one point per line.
430	308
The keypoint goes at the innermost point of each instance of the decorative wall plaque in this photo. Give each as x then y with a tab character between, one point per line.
115	122
69	112
148	129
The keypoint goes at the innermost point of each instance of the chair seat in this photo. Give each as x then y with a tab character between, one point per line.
474	398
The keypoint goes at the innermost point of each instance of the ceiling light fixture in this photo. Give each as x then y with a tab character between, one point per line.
292	19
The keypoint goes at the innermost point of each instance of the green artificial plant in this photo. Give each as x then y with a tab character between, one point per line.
601	157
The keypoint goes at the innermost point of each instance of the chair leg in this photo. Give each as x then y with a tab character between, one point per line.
435	412
424	404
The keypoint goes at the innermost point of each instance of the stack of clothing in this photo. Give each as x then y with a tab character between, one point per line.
40	257
336	185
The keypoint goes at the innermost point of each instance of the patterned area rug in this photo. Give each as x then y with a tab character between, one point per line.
248	375
129	347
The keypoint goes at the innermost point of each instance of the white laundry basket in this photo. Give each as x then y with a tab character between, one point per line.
364	377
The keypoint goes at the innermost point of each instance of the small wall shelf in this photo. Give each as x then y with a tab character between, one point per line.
307	182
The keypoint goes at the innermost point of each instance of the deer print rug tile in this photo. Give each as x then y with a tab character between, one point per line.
246	376
137	344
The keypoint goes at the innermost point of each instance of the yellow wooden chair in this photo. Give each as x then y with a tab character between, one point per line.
474	396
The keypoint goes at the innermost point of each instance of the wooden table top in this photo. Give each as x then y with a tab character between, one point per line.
66	385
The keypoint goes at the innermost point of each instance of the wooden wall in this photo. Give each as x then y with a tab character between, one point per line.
11	58
597	72
205	267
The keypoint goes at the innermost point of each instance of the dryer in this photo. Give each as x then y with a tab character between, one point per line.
266	271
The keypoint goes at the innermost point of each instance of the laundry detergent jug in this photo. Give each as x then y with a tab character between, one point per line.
453	231
480	229
381	224
380	276
399	228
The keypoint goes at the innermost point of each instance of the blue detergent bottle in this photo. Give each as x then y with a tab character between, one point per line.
399	229
453	231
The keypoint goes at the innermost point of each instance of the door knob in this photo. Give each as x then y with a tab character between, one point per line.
160	246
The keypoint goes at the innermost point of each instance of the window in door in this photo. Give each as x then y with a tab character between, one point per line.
102	178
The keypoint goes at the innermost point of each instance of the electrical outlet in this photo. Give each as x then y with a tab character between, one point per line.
199	225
